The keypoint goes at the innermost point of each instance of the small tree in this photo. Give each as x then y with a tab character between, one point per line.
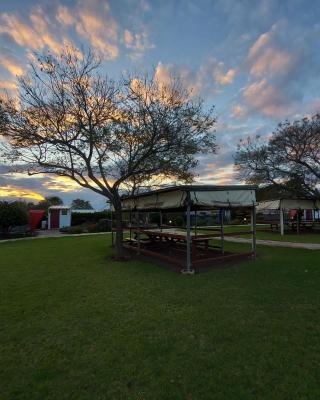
12	214
80	204
71	121
48	202
290	160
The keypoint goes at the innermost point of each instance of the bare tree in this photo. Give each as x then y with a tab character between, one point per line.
290	159
72	121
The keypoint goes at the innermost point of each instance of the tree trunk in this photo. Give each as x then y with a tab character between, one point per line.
119	230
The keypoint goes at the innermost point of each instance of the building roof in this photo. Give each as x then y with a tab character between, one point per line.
200	197
59	208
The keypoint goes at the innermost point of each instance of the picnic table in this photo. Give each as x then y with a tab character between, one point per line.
175	236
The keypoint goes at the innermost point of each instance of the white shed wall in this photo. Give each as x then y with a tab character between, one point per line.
65	220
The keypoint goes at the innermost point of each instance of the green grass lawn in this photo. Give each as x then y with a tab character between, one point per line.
264	233
74	325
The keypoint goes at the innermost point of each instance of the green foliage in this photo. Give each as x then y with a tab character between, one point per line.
48	202
13	214
81	218
80	204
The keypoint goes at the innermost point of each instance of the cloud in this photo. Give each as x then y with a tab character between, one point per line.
18	192
20	32
271	62
262	96
204	81
238	111
138	43
275	67
64	16
259	44
215	174
10	63
99	28
61	184
221	76
266	58
46	27
8	85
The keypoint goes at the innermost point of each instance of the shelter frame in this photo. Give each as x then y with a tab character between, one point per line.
192	198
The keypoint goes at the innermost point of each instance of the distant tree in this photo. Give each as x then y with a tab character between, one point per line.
290	160
72	121
48	202
12	214
80	204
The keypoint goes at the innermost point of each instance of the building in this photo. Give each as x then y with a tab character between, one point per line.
59	217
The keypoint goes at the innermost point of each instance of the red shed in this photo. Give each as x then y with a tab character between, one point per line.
35	217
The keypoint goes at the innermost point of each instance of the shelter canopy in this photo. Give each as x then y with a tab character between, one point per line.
200	196
289	204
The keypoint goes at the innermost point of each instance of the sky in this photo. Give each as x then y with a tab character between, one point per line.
257	62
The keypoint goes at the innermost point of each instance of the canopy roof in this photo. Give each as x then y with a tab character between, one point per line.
200	196
289	204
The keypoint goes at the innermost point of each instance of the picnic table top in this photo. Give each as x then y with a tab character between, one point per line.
174	233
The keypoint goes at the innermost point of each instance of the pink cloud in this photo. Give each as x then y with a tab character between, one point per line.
265	97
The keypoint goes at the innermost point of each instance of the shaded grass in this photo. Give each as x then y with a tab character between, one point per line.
264	233
75	325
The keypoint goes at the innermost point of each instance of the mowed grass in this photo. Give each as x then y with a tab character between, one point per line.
75	325
264	233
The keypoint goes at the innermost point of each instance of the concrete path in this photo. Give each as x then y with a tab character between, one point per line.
274	243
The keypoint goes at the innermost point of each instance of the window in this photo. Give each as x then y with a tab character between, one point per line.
64	212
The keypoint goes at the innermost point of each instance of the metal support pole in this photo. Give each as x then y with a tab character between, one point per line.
222	229
130	222
189	269
195	223
138	218
253	229
281	222
160	220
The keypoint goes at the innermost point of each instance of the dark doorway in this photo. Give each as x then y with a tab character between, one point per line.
54	220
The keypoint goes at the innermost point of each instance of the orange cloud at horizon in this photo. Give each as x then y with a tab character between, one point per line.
15	191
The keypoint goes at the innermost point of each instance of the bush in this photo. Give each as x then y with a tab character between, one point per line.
12	214
101	226
73	229
82	218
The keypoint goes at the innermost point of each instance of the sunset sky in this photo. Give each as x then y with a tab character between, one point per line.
258	62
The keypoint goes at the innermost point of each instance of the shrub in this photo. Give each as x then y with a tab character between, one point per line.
73	230
12	214
81	218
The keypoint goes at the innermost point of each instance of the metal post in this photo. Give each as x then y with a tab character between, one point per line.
138	232
281	222
160	220
130	222
189	269
253	229
195	223
222	229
